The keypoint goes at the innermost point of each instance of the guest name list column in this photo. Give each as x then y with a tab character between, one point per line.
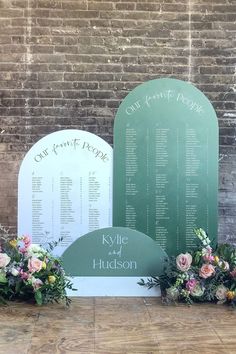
38	222
196	183
137	180
69	179
131	168
68	208
165	164
162	207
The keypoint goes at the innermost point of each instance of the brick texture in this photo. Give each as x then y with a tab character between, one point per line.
69	63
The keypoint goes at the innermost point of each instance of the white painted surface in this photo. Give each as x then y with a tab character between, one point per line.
65	188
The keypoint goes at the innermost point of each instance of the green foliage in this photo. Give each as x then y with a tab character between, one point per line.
227	252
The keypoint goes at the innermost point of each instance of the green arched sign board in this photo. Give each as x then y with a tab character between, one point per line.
166	163
114	252
111	261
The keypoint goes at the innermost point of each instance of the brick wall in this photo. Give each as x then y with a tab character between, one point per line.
69	63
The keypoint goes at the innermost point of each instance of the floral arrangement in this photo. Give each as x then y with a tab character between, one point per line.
31	273
202	275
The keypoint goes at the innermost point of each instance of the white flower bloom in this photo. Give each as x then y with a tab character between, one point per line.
172	293
221	292
14	272
4	260
36	251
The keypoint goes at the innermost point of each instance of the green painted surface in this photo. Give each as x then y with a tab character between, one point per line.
166	163
114	251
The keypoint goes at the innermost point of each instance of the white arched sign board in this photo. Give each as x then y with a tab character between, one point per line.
65	188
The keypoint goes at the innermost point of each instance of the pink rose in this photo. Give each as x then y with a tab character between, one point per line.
4	260
34	265
184	261
206	271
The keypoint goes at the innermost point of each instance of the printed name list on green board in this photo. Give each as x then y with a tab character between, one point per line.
166	163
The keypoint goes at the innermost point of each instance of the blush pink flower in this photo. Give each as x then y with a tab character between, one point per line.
23	275
184	261
206	271
27	241
36	283
207	254
190	285
208	258
233	273
4	260
34	265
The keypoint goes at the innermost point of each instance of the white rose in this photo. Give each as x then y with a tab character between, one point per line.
221	292
4	260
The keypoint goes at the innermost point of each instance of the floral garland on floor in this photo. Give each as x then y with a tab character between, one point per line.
203	275
29	272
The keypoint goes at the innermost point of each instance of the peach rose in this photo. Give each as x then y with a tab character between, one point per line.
4	260
34	265
184	261
206	271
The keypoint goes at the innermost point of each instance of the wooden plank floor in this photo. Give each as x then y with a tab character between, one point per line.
117	325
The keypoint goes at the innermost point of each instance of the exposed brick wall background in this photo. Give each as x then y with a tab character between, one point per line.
69	63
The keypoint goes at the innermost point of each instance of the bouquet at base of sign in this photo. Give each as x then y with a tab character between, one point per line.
29	272
203	275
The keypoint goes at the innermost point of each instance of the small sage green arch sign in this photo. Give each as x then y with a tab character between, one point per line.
166	163
114	252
